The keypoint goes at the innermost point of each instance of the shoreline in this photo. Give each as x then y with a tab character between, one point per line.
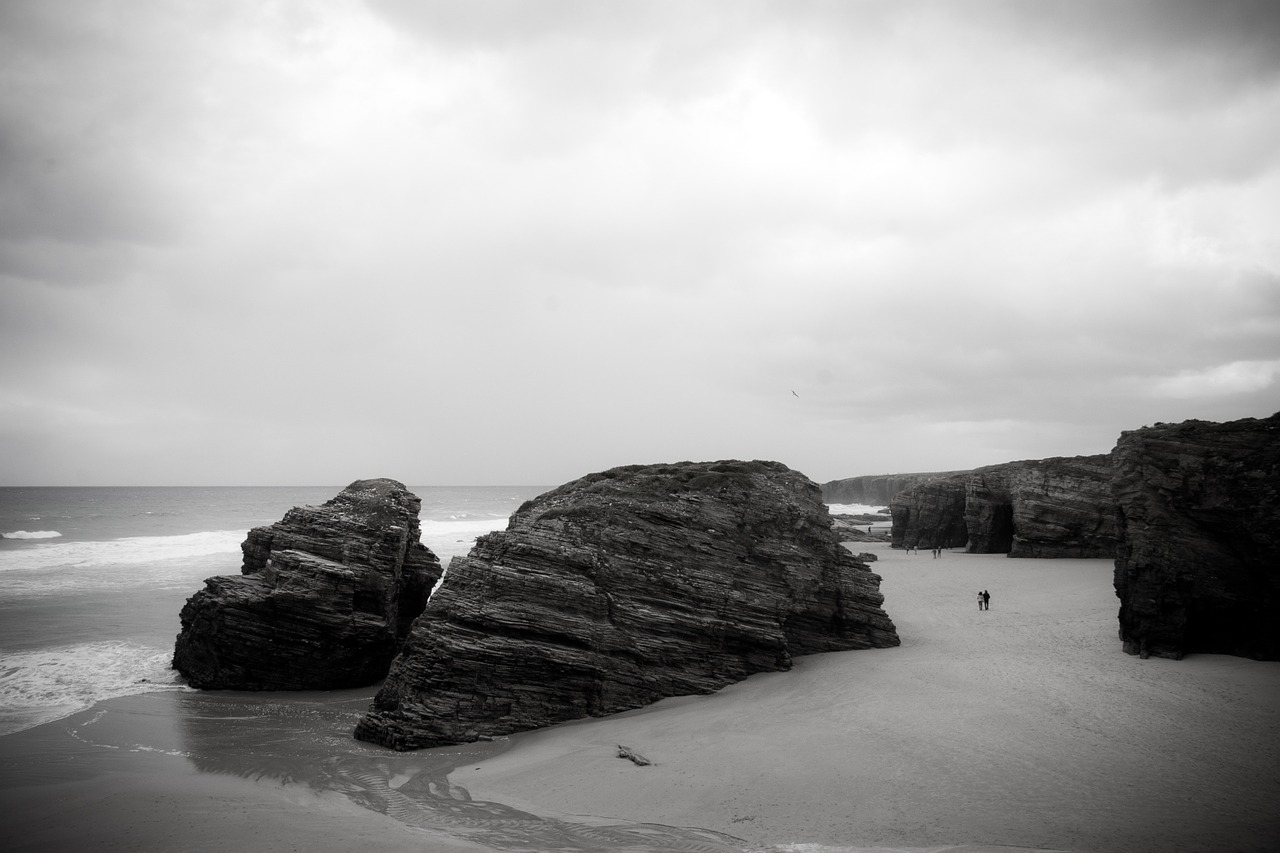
1024	727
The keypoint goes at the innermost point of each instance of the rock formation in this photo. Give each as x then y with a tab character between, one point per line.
875	489
325	598
622	588
1058	507
930	514
1198	565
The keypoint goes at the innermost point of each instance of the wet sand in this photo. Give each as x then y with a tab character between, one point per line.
1021	727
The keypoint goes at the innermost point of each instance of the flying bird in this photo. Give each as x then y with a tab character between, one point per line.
794	394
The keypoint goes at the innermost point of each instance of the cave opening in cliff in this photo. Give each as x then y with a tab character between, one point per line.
1002	529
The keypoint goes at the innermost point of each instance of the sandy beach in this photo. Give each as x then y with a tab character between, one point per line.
1021	727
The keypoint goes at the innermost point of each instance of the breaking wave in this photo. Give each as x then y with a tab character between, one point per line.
39	686
122	552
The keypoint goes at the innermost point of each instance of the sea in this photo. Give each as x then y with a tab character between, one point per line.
92	579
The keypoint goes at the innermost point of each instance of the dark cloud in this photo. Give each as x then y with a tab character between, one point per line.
1231	41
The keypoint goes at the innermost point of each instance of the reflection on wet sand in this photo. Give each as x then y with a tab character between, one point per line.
305	739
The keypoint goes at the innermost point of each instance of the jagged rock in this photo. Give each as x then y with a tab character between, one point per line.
622	588
1198	565
876	489
325	598
1057	507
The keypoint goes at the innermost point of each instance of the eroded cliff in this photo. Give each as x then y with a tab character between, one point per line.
1198	567
325	597
1057	507
623	588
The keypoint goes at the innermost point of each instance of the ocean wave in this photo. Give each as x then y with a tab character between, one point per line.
31	534
449	539
855	509
53	683
122	552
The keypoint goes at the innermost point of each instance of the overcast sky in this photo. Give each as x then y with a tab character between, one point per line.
516	242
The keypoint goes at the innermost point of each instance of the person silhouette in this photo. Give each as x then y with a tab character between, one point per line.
986	600
979	600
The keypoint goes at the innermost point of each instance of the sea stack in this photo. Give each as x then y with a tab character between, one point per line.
325	597
1198	565
622	588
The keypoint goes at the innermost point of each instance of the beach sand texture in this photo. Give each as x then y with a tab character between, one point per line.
1024	726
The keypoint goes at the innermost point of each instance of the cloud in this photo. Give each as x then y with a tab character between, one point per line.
1238	377
511	241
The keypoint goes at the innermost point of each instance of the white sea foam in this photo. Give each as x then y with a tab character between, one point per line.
122	552
854	509
449	539
31	534
48	684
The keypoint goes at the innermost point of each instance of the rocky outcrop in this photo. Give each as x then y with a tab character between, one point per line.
930	515
325	598
623	588
1198	565
875	489
1058	507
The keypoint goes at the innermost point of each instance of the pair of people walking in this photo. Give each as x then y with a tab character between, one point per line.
984	600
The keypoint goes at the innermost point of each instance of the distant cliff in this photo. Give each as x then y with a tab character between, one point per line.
325	597
1057	507
622	588
1198	567
875	489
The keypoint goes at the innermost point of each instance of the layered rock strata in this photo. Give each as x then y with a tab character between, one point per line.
1057	507
930	515
324	600
1198	565
622	588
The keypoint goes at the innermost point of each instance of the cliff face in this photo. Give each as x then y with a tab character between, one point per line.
1198	567
876	489
1058	507
623	588
325	597
930	515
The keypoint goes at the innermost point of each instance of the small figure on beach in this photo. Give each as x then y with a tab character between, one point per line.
986	600
979	600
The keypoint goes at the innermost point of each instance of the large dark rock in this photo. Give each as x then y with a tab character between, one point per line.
875	489
930	515
622	588
325	598
1198	566
1058	507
